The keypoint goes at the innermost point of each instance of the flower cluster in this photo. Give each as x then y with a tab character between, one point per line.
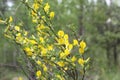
54	55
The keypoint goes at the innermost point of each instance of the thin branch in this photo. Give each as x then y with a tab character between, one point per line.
8	65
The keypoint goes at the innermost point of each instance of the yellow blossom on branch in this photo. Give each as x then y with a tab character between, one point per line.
44	67
28	51
41	39
67	52
61	41
82	47
60	77
70	46
32	41
73	59
40	27
34	20
18	34
38	62
81	61
47	7
17	28
38	74
50	47
61	63
82	44
75	42
81	50
33	13
19	38
10	19
44	52
62	55
60	33
52	14
36	6
66	37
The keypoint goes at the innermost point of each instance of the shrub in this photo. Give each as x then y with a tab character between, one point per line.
49	55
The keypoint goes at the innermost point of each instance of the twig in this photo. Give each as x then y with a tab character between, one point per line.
8	65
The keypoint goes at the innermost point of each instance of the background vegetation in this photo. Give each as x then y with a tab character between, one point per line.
96	21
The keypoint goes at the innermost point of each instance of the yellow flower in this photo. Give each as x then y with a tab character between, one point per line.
28	51
18	34
24	41
61	63
81	61
75	42
66	37
44	68
20	78
17	28
52	14
81	51
33	13
47	7
19	38
62	55
73	59
70	46
43	17
38	62
66	42
34	20
40	27
60	77
60	41
32	41
34	56
60	33
43	52
82	44
36	6
67	52
66	68
40	46
50	47
41	39
38	74
10	19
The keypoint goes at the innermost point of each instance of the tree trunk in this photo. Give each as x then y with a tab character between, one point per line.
108	55
115	54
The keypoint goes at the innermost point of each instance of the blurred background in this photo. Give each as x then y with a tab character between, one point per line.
97	21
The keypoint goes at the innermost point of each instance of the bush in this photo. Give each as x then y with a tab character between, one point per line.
48	55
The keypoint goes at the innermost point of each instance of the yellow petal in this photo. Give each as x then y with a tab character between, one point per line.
82	44
10	19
